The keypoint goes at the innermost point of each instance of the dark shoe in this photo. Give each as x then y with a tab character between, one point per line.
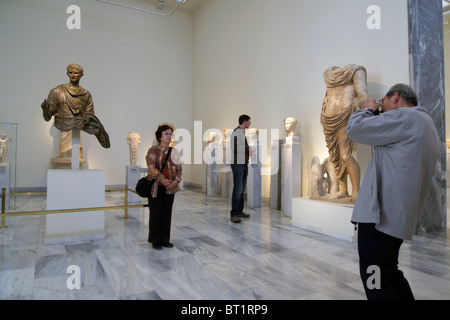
156	246
167	245
235	219
244	215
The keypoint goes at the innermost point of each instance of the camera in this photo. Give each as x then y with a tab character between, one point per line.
379	110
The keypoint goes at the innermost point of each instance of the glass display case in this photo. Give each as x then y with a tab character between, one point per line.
8	159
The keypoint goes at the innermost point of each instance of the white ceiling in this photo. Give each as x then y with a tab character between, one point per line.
164	7
191	5
188	6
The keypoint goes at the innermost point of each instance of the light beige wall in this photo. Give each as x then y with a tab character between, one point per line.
138	68
266	59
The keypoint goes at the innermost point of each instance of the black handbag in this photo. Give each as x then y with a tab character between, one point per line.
144	186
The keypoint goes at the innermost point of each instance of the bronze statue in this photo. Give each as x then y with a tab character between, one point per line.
346	89
72	107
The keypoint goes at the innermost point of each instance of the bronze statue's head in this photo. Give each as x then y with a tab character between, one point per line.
76	67
74	72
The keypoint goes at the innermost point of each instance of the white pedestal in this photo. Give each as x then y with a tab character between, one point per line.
227	181
75	149
291	174
212	183
71	189
254	179
133	174
327	218
227	174
5	176
275	178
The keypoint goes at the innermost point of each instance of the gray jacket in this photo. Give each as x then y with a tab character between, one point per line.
397	182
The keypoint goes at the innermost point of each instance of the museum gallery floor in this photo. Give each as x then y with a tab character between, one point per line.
263	257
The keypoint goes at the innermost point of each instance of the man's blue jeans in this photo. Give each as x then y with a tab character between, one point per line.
240	172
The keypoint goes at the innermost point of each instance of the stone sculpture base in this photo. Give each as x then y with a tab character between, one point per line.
212	182
74	161
291	174
5	176
71	189
64	163
254	178
275	178
345	201
326	218
133	174
227	182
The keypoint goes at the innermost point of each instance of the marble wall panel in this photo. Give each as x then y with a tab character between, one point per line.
426	54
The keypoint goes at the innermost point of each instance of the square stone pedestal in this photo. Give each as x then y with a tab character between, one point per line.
332	219
5	176
291	174
72	189
133	174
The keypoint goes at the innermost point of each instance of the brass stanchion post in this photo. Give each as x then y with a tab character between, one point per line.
126	202
3	226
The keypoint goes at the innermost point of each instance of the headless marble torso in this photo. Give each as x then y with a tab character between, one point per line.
346	89
341	94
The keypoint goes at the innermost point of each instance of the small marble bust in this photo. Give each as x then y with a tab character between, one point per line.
212	137
290	123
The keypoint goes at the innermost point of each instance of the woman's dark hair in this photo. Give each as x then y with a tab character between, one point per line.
160	130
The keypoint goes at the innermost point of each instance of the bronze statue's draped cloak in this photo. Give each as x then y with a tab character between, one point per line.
334	125
69	106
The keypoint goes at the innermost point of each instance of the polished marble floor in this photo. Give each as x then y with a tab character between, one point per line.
264	257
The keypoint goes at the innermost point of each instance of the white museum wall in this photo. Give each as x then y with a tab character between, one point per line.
138	68
266	59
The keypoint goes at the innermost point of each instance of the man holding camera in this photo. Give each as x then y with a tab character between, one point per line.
396	185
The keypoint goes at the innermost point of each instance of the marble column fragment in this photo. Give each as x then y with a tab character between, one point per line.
426	55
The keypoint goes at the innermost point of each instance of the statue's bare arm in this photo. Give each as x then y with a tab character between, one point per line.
360	84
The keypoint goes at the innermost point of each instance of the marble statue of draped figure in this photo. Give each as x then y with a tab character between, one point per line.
346	89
